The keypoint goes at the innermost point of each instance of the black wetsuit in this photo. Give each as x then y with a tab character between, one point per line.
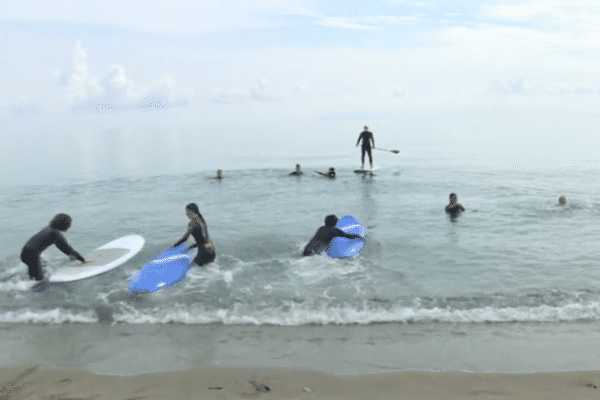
30	254
324	235
366	137
454	210
206	249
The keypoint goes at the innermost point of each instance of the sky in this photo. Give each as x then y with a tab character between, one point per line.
127	87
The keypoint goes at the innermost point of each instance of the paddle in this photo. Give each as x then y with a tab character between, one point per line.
391	151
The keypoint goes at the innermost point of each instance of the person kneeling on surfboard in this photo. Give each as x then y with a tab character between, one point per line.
30	254
197	228
324	235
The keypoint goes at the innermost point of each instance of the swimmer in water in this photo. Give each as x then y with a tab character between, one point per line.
50	235
562	201
325	235
219	175
454	209
330	174
367	139
297	172
197	228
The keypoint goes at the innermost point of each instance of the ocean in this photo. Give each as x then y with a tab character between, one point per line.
514	255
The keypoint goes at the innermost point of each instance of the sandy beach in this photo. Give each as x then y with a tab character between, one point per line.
378	361
236	383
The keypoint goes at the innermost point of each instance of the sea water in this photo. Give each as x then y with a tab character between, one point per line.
513	255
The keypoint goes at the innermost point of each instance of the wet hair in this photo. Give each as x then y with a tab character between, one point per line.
562	200
453	195
193	207
331	220
61	221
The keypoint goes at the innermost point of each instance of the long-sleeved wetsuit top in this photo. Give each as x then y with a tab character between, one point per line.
324	235
46	238
199	231
367	138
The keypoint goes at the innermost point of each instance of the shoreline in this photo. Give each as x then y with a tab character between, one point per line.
284	383
121	349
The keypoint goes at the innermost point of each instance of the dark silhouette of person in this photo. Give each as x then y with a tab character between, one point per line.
50	235
297	171
197	228
325	235
454	209
367	138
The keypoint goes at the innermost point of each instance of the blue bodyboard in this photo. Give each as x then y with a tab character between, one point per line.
164	270
341	247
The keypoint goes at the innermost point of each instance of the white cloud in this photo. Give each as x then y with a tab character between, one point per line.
116	91
261	91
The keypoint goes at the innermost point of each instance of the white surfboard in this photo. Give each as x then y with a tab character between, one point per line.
101	260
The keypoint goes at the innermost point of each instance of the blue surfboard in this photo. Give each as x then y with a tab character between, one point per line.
341	247
164	270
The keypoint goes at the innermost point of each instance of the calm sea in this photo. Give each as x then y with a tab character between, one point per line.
513	255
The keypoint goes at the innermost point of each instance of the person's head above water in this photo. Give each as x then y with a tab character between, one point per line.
331	169
366	128
331	220
61	221
453	198
219	173
297	167
562	200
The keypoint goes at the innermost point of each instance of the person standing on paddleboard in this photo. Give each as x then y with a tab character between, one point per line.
197	228
30	254
367	138
324	235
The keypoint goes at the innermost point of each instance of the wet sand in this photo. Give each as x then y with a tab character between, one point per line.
378	361
34	382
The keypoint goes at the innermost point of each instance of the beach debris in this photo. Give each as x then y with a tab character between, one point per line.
307	390
260	387
104	314
215	388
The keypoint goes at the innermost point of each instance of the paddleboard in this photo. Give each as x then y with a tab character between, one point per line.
164	270
101	260
366	171
341	247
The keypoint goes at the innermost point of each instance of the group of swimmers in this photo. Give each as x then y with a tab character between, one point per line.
368	143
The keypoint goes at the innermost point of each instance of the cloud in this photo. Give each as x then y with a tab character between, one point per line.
258	92
116	91
360	23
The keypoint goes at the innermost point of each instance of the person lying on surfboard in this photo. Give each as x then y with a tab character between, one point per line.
50	235
324	235
367	138
454	208
297	171
329	174
197	228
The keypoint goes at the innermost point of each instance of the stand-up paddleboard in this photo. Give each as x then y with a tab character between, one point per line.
366	171
341	247
166	269
101	260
